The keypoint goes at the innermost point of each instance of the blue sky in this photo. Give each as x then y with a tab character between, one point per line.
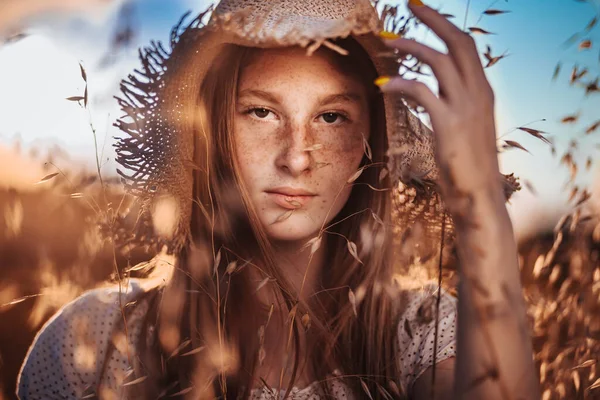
37	73
533	34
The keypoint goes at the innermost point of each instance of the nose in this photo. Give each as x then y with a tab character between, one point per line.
294	158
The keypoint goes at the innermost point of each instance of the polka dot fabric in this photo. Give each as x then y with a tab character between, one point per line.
66	358
416	333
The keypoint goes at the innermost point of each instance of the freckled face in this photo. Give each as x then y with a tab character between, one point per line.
298	131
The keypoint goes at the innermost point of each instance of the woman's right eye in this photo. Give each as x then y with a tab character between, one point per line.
261	113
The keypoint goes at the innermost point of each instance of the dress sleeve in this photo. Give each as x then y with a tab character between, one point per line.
67	354
416	333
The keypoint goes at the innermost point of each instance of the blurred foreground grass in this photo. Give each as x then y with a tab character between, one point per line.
51	250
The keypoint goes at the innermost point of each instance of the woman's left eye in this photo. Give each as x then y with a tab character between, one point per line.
332	117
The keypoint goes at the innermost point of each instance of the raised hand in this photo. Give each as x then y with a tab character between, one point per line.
462	114
494	353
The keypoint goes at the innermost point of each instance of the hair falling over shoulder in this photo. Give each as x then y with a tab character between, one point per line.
203	333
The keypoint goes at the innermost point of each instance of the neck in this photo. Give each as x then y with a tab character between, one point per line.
302	271
298	266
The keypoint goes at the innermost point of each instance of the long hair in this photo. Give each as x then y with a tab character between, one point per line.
207	321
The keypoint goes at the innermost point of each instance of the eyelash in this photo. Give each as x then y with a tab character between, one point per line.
343	116
252	109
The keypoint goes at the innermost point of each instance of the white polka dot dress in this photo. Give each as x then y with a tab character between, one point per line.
67	356
416	333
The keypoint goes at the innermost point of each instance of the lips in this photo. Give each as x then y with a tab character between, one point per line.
290	191
290	198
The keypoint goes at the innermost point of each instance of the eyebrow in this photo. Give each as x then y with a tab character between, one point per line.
347	97
259	93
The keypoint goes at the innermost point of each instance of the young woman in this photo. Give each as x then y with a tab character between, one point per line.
281	178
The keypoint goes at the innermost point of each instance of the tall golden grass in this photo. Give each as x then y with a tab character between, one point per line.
52	249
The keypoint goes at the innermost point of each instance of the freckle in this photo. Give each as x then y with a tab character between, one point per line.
323	201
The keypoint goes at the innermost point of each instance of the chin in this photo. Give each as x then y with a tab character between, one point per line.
295	228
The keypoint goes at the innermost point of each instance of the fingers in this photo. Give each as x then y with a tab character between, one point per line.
416	90
442	65
461	46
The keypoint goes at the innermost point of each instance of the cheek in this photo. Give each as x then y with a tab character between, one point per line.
252	148
343	150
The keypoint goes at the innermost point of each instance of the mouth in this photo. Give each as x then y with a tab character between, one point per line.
290	198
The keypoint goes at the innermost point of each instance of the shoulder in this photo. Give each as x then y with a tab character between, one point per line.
67	354
417	347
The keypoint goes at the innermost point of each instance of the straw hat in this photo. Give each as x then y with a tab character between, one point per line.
157	149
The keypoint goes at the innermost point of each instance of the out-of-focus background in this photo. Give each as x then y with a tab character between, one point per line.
542	58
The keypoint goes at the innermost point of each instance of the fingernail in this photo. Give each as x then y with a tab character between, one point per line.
389	35
382	81
416	3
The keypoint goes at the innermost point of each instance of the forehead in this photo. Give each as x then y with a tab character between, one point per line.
292	64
